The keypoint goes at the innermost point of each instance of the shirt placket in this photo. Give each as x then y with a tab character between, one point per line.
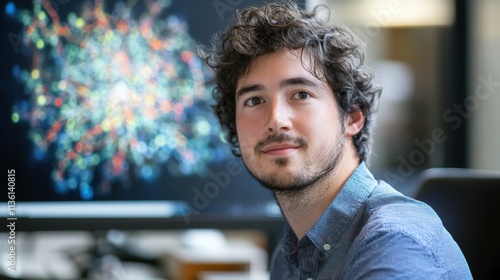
308	262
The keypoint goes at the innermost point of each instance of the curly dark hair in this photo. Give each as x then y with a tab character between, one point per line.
336	56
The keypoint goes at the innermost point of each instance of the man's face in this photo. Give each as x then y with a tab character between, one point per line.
288	124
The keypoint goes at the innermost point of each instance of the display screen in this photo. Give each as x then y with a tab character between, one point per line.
106	110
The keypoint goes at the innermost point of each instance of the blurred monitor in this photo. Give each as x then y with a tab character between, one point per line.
106	120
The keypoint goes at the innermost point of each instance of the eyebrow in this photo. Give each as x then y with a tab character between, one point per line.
249	88
285	83
298	81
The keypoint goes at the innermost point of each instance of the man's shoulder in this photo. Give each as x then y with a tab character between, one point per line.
402	235
389	211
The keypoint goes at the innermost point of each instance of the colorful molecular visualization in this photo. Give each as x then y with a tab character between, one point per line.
113	93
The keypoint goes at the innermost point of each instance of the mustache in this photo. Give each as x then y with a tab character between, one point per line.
280	138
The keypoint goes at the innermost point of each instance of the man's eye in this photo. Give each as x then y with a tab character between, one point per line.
301	95
254	101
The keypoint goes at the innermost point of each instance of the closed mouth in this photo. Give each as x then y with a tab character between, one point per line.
279	147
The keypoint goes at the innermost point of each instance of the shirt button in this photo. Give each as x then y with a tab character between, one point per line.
326	247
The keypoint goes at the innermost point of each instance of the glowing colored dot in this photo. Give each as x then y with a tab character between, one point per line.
95	159
106	126
15	117
53	40
78	147
142	147
108	35
10	9
58	102
35	74
39	89
202	127
86	191
79	22
72	183
54	86
63	85
80	162
146	171
16	71
156	44
26	19
40	44
41	16
71	18
41	100
160	140
187	56
70	124
61	186
165	106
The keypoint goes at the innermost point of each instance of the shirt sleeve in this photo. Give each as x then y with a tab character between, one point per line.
391	256
399	255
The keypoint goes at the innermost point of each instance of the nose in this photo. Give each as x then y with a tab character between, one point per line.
279	118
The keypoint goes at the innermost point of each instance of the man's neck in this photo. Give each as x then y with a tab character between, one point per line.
302	209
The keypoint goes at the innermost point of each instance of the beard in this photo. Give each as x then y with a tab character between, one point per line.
315	168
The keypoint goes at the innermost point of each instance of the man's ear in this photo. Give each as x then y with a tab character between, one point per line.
354	123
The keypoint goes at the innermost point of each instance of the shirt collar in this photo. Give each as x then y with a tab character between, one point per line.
337	218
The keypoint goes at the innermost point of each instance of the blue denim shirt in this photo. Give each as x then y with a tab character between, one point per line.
371	231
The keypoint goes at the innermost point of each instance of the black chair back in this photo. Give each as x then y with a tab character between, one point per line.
468	203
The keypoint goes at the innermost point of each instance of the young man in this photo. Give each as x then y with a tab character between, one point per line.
298	106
